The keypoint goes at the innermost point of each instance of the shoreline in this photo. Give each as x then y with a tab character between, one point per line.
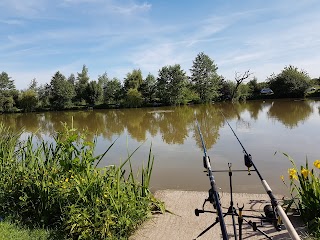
182	223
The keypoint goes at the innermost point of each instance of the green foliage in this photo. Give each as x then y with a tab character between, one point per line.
112	91
93	93
305	184
62	92
171	84
290	83
148	88
57	185
81	83
44	92
205	78
8	94
133	80
133	98
6	83
243	93
28	100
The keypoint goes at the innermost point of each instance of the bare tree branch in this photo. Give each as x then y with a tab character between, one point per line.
239	79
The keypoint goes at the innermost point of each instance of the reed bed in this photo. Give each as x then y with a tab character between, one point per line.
57	186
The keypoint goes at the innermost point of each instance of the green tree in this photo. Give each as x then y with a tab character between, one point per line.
205	78
44	93
290	82
81	84
133	98
133	80
8	93
148	88
171	84
28	100
33	85
112	91
103	79
62	92
72	79
93	93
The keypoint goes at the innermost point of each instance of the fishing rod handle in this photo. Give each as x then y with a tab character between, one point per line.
292	232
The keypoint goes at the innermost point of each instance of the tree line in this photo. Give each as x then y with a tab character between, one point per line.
172	86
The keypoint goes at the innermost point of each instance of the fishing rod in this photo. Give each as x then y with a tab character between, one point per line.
278	212
213	193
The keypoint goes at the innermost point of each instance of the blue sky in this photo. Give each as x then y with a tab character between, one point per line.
40	37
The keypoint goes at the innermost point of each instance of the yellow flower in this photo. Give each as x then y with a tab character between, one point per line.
305	172
282	177
292	173
67	179
317	163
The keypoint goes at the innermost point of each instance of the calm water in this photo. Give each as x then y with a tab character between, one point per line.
263	127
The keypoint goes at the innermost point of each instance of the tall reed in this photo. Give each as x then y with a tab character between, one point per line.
57	185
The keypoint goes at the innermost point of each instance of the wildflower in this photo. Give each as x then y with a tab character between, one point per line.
305	172
282	178
317	163
292	173
67	179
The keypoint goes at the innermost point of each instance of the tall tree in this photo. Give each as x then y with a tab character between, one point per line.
148	88
171	84
6	83
7	93
93	93
28	100
72	79
62	92
239	80
81	83
112	91
133	80
44	93
204	77
103	79
290	82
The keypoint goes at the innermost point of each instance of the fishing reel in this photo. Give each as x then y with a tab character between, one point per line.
271	216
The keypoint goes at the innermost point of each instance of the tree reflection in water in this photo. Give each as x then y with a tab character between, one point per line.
290	113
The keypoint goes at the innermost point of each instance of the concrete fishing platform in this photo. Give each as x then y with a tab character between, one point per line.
184	224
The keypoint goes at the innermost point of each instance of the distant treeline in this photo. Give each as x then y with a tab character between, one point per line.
172	86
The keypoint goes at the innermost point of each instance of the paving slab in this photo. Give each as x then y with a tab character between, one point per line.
184	224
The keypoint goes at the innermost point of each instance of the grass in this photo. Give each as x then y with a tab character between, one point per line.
58	186
9	231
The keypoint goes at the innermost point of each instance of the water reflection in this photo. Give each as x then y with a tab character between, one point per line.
290	113
174	124
176	142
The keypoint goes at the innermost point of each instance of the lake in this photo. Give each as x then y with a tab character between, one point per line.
263	127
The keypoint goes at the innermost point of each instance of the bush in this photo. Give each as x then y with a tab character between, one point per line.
305	192
57	185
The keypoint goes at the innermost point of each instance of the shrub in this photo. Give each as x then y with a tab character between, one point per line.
58	186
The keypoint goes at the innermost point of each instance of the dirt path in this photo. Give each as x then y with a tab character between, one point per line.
185	225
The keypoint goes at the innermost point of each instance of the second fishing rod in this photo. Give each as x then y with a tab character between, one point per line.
278	211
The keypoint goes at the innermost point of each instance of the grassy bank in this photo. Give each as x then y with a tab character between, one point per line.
57	186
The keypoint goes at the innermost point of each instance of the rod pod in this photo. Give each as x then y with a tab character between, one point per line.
276	206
